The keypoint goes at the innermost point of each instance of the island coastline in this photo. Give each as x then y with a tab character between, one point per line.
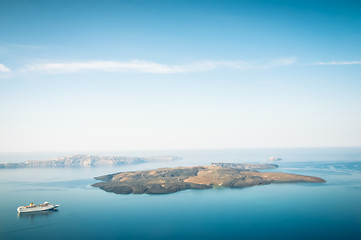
170	180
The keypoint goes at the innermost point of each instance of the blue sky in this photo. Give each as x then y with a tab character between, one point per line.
133	75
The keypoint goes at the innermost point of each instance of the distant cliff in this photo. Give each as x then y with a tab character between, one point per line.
86	160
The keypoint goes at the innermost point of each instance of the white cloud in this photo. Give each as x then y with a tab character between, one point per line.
338	63
107	66
4	69
151	67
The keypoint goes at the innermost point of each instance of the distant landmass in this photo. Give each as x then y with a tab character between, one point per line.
86	161
246	166
170	180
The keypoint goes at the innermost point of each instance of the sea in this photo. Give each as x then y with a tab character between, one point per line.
330	210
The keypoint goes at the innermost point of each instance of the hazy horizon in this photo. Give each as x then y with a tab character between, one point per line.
93	151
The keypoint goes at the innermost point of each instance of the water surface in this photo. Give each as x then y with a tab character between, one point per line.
279	211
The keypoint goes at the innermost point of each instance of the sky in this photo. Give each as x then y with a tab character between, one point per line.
150	75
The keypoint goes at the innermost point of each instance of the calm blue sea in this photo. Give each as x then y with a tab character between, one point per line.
279	211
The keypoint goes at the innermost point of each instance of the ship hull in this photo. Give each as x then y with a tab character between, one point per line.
36	208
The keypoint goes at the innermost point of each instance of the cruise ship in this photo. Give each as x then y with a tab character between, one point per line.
36	208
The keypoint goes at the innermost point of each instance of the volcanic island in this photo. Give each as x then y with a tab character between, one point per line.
170	180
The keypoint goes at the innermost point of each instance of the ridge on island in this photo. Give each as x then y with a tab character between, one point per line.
170	180
86	161
246	166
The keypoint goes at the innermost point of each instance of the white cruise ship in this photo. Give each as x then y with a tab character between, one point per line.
36	208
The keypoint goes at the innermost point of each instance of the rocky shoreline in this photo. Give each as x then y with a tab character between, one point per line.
170	180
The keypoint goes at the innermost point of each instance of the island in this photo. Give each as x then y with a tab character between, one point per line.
170	180
87	161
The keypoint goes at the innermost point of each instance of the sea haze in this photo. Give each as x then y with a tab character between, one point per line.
280	211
